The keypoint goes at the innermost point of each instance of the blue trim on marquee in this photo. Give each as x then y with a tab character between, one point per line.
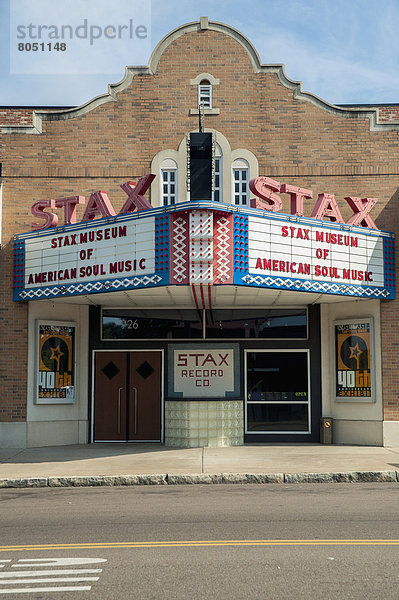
389	263
240	236
118	284
162	248
317	287
19	268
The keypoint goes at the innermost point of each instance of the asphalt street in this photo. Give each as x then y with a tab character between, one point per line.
317	541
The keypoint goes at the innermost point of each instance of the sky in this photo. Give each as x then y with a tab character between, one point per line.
344	51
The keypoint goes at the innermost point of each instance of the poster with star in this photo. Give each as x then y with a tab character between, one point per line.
353	359
56	364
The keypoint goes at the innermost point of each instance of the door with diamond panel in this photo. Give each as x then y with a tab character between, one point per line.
127	396
145	414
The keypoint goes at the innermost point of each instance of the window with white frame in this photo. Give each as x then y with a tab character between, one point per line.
240	185
217	192
205	94
168	182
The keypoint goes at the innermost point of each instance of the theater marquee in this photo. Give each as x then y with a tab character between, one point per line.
202	244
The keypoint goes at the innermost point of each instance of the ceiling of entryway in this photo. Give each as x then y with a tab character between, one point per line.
223	296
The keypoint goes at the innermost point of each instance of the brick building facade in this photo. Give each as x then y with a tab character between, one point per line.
263	124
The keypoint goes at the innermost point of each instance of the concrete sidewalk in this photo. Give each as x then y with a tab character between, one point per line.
129	464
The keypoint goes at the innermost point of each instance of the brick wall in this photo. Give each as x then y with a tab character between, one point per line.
388	114
294	140
15	116
13	316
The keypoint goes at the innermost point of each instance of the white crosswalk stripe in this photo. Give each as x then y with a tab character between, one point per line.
83	588
56	562
46	571
49	572
50	580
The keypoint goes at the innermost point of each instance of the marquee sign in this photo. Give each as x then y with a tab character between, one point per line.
316	258
202	244
88	258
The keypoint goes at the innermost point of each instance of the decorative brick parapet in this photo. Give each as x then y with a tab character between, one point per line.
388	114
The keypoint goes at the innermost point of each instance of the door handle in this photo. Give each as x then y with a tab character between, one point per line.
119	409
135	409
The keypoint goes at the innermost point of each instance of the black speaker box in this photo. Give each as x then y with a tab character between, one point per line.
200	166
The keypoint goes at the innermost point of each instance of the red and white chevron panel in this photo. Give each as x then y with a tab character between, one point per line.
179	248
223	267
201	246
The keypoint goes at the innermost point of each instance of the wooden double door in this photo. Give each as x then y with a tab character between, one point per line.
127	396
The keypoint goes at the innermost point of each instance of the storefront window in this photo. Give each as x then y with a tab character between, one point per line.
277	392
278	418
151	324
187	324
256	324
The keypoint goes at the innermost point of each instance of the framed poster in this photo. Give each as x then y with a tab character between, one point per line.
56	365
354	360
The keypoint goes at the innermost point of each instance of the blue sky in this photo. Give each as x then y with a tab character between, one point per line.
345	51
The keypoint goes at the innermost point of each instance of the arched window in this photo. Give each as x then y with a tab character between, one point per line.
168	182
240	183
204	94
217	193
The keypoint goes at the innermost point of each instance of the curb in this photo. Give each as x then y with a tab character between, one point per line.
200	478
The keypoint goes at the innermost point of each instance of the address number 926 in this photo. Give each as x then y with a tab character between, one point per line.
130	324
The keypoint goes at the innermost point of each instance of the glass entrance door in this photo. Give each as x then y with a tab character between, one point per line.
277	392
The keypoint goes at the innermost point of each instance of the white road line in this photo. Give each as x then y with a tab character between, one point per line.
56	562
48	580
49	572
82	588
2	562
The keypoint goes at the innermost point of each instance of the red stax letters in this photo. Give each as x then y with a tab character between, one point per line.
361	208
135	197
50	219
263	187
69	205
297	197
98	204
326	206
